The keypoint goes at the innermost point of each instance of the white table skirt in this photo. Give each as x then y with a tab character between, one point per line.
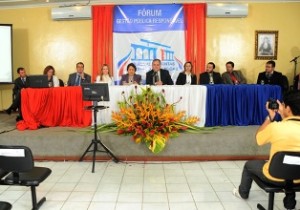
193	100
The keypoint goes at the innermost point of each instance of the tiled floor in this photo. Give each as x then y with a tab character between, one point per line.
141	186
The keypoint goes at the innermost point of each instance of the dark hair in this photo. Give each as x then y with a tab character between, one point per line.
48	68
231	63
132	65
292	99
272	63
211	63
79	63
20	69
156	59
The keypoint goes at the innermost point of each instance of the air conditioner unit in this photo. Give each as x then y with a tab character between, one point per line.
227	10
72	13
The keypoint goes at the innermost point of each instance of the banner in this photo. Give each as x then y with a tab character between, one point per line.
142	33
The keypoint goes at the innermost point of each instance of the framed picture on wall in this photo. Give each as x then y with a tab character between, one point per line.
266	44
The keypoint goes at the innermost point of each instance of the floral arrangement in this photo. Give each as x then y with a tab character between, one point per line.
150	119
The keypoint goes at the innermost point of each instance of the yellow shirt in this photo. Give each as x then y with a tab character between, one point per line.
283	136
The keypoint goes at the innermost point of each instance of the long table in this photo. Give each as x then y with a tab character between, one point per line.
193	100
214	105
60	106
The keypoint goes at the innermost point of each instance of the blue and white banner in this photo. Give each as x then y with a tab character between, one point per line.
145	32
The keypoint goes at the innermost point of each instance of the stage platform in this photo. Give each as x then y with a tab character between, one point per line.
63	143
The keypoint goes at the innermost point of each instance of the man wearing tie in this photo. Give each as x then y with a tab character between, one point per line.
79	77
158	76
20	83
210	77
270	76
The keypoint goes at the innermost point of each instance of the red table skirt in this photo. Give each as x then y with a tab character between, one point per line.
59	106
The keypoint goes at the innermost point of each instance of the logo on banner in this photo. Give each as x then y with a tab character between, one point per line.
142	54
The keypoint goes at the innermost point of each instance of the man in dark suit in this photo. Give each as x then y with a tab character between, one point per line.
79	77
20	83
210	77
231	76
270	76
158	76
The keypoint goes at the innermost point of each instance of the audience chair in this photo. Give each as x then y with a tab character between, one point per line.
283	165
17	168
5	205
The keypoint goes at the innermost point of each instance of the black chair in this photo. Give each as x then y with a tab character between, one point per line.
5	205
281	169
17	168
61	83
285	84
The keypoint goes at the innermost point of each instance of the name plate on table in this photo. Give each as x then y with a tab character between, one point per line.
12	152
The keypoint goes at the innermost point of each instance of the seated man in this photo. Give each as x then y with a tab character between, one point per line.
231	76
158	76
20	83
210	77
270	76
79	77
283	136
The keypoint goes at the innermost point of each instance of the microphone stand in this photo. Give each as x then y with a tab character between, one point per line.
295	65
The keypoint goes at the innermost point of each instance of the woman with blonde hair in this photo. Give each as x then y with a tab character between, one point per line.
187	77
104	76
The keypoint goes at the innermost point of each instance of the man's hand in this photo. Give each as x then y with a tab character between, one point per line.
159	83
271	112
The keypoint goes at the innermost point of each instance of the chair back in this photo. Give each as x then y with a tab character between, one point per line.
15	158
285	165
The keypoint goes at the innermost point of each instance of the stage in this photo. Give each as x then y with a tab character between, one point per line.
65	143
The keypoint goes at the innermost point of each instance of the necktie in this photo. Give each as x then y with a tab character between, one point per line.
78	80
211	79
23	80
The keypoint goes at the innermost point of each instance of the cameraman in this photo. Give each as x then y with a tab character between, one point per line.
283	136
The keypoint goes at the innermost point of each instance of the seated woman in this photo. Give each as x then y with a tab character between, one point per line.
52	79
104	76
131	77
187	77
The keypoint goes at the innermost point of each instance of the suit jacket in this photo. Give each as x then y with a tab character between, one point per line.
164	77
181	79
19	85
276	78
72	79
204	78
136	78
238	75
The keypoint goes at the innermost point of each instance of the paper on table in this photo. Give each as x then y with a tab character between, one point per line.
291	160
12	152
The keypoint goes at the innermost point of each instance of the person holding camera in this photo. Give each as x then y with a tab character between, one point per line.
283	136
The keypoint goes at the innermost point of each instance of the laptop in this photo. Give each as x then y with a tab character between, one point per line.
95	91
38	81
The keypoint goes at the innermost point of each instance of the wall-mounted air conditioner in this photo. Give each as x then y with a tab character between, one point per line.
227	10
72	13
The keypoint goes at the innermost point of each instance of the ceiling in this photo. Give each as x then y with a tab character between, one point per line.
43	3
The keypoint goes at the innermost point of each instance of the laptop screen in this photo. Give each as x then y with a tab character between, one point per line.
38	81
95	92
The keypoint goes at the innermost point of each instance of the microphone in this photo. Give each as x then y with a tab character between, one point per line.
295	59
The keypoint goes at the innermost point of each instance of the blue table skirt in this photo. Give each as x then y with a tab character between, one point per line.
238	104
